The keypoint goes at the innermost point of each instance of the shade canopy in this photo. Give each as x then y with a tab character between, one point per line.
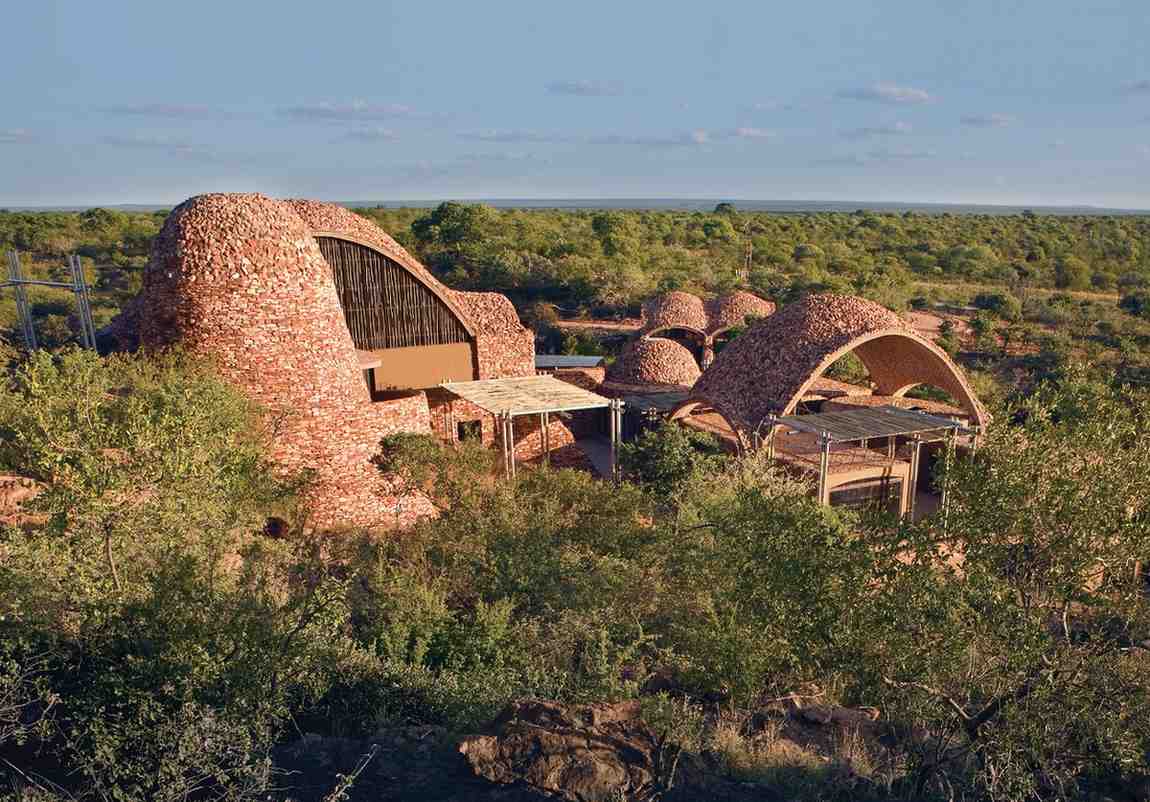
547	361
864	424
526	395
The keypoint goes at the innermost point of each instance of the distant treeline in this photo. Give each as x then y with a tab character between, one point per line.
611	260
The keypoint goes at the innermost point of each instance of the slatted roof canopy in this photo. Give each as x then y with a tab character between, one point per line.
526	395
544	361
660	402
864	424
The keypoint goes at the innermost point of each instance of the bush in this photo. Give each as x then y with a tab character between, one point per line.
1005	306
661	460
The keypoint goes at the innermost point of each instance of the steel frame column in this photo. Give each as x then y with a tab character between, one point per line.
545	433
824	468
510	425
83	302
23	311
616	420
912	482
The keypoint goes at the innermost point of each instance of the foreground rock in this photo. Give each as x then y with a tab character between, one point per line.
579	753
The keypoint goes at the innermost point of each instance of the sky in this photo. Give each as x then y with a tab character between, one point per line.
1024	102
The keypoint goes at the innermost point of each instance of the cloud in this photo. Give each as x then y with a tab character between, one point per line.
373	134
357	110
1139	86
1144	151
17	136
900	155
165	110
686	138
186	150
886	93
585	88
745	132
879	156
514	137
987	120
867	132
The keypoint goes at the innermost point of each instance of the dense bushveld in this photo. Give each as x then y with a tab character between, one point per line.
156	642
1048	286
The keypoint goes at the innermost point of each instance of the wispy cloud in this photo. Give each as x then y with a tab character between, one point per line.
371	134
1138	86
586	88
987	120
17	136
685	138
886	93
677	139
186	150
514	136
868	132
166	110
357	110
746	132
880	156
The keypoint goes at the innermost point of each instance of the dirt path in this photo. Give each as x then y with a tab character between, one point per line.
962	286
627	325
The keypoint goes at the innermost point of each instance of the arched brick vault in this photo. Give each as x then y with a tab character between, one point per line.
768	369
240	279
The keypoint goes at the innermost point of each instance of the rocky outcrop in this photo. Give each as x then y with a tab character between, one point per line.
578	753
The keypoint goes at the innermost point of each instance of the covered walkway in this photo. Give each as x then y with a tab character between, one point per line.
507	399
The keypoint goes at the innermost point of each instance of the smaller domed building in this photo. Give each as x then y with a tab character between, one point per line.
655	364
860	445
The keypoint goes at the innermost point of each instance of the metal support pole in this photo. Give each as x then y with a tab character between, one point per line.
545	423
83	302
912	482
612	412
501	419
949	461
511	445
890	448
23	311
824	467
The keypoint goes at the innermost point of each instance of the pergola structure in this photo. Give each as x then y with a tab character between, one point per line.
545	395
855	431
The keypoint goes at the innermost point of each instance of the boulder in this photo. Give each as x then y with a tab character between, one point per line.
581	753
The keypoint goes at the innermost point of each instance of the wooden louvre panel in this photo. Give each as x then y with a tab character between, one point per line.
385	305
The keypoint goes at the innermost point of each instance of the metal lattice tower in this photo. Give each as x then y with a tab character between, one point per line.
78	286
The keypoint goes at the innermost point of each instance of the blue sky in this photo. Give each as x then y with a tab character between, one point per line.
1042	102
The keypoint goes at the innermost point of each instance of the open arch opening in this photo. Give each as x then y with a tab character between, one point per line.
693	340
412	334
706	418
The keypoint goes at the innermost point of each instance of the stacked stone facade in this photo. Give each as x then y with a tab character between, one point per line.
240	280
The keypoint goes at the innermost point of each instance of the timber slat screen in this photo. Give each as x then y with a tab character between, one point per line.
384	305
874	422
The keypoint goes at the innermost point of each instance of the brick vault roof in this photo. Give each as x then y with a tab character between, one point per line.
767	369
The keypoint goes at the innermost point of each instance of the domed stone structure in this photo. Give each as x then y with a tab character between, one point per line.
732	309
698	324
332	326
770	367
654	361
674	310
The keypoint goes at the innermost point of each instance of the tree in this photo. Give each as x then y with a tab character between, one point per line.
1071	273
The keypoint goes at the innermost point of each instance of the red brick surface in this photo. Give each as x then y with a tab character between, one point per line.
768	369
240	279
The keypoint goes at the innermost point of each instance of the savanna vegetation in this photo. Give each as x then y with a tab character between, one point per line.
159	641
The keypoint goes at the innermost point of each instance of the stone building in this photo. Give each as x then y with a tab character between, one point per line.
338	332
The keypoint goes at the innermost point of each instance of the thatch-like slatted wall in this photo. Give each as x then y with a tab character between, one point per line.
384	305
